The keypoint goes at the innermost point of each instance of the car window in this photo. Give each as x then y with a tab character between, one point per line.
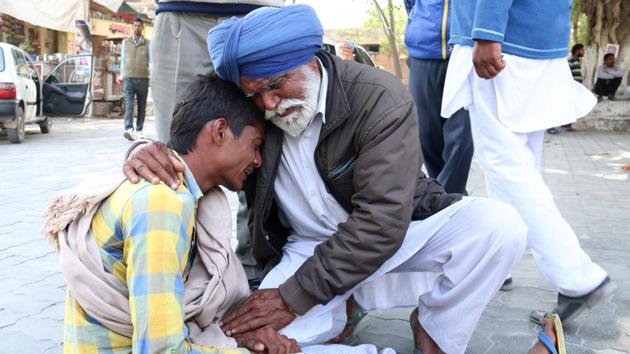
20	64
329	48
362	57
31	68
75	70
1	60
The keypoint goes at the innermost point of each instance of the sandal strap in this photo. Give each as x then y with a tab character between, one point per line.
544	339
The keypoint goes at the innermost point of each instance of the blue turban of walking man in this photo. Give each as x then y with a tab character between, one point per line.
266	42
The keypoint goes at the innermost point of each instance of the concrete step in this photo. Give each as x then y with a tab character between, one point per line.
608	116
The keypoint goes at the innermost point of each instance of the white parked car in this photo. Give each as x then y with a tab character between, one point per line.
359	53
23	98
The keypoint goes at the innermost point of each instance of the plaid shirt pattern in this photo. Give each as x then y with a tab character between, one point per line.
145	233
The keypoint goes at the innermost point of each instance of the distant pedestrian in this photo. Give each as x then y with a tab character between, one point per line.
134	71
508	68
577	52
447	145
608	78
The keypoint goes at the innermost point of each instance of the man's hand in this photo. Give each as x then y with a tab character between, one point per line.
488	59
262	308
153	162
267	340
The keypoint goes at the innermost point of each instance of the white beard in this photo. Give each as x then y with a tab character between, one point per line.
295	123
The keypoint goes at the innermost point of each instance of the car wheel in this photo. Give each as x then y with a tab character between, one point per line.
16	135
45	125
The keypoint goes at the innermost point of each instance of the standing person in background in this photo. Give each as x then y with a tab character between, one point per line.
134	71
508	68
608	78
447	145
575	64
577	52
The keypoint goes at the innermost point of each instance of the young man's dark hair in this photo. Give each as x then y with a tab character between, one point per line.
139	20
576	47
207	99
608	55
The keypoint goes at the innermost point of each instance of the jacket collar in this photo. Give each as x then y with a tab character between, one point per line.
337	106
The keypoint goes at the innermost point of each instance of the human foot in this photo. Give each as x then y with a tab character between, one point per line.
421	338
540	347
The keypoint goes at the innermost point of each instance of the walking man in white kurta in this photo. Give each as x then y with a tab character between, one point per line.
508	68
341	199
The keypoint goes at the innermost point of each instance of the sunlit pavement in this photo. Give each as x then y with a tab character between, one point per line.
583	170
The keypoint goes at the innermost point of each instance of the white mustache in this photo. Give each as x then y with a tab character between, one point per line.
283	106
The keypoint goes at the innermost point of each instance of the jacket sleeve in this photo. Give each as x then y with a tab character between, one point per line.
490	20
384	180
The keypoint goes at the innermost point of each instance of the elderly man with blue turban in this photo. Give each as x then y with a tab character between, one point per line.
340	199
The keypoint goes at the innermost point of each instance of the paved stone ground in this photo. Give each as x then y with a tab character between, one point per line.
583	170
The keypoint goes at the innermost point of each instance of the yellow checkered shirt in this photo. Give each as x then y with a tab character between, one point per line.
145	233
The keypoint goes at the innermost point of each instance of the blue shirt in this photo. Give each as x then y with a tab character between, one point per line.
535	29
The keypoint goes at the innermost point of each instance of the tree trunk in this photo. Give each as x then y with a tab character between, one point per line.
390	31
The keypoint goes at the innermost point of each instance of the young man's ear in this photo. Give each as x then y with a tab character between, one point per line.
218	129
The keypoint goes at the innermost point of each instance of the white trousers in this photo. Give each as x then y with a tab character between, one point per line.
511	164
474	248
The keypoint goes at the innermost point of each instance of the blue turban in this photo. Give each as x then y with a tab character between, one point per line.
266	42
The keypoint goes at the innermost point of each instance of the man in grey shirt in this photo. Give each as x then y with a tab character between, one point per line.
608	78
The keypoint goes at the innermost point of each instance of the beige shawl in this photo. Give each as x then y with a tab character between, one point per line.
216	281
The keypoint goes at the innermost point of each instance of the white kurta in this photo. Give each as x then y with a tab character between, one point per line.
472	244
531	95
508	115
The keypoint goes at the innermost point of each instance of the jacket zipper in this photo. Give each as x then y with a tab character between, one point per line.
267	200
444	21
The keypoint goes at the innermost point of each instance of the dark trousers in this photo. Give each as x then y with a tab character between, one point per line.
446	144
139	88
607	87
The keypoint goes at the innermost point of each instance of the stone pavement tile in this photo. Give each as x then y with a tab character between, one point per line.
383	329
509	343
41	326
21	342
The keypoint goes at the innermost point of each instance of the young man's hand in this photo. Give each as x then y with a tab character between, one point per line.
487	59
153	162
262	308
267	340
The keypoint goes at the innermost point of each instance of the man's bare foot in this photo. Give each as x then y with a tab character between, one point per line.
539	347
421	338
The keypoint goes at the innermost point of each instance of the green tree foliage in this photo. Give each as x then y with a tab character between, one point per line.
400	23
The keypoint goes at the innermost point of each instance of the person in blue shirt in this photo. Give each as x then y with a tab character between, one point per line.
509	69
447	146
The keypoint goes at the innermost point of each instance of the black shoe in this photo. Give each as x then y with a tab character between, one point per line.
570	307
553	131
611	98
508	285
